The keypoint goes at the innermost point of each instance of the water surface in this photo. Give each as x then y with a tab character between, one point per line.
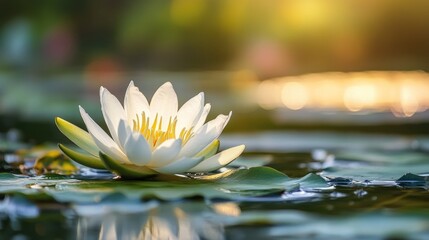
369	195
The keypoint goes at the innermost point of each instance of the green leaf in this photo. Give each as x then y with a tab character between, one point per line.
312	182
126	171
236	184
233	184
82	158
77	135
12	183
8	176
374	165
412	180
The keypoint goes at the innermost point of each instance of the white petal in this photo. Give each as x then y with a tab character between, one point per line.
124	131
219	160
165	153
189	114
179	166
227	120
137	149
135	103
204	136
203	117
164	103
101	139
113	112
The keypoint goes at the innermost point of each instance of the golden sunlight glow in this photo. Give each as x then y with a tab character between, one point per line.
409	104
326	93
359	96
271	89
294	95
402	93
153	132
187	12
306	14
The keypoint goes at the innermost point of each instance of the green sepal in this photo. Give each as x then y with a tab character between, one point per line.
126	171
77	135
210	150
82	158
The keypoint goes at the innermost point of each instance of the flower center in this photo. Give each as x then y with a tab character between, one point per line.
154	133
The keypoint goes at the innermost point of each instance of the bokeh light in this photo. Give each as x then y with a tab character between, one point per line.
294	95
402	93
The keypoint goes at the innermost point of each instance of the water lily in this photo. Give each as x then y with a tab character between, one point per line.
150	138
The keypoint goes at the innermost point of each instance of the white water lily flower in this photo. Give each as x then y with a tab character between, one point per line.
147	139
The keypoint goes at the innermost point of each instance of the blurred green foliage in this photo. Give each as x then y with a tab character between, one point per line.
298	36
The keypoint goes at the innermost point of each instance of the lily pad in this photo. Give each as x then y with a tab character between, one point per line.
371	166
412	180
236	184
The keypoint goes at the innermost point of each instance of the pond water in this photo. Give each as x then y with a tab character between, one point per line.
362	187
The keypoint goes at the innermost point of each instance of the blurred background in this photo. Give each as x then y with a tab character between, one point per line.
355	66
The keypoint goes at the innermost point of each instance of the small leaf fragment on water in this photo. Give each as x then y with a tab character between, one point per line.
54	162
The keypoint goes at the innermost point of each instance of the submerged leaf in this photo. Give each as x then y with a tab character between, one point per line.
54	162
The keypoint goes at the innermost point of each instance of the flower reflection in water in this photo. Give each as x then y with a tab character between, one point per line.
190	220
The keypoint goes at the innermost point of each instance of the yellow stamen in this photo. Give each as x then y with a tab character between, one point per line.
154	133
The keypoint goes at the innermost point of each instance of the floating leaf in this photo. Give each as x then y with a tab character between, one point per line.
313	182
233	184
373	166
412	180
